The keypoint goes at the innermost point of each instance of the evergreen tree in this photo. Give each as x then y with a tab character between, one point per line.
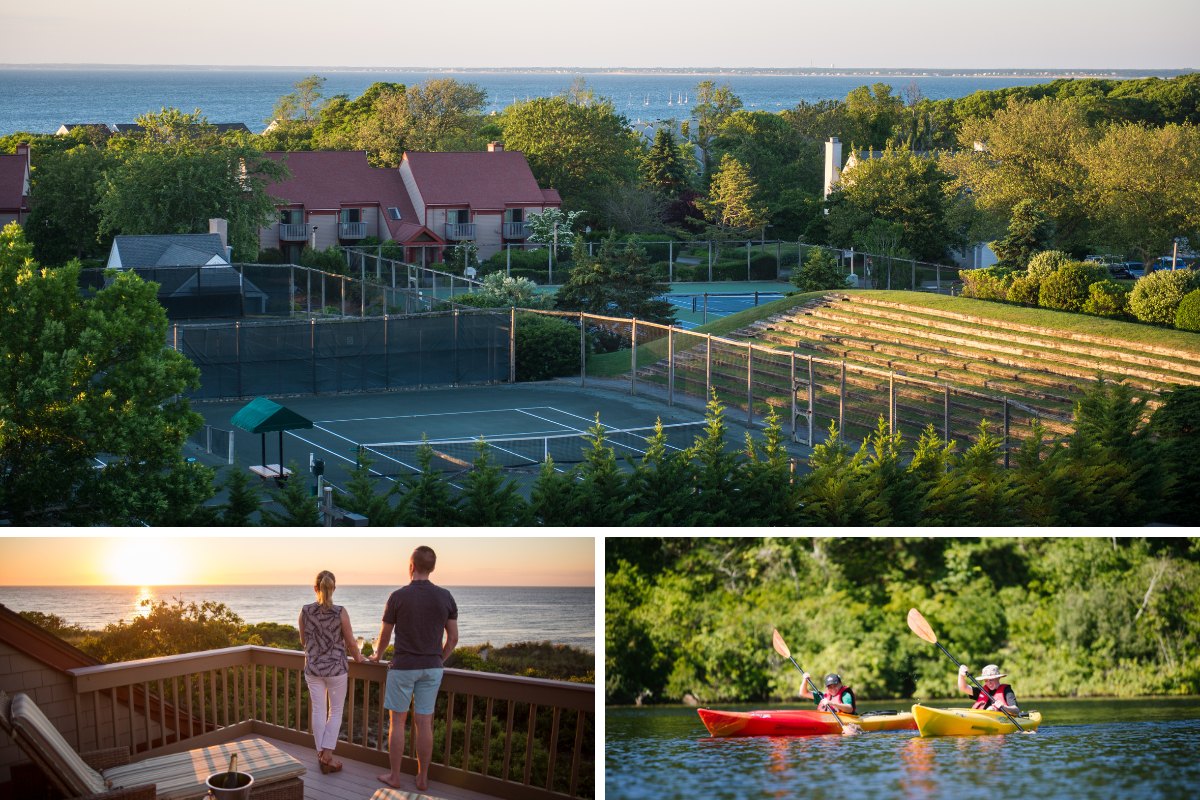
617	281
1176	424
820	272
298	507
765	478
552	496
425	498
717	501
989	497
362	495
488	499
732	205
244	498
938	484
601	497
1030	231
662	484
831	494
663	166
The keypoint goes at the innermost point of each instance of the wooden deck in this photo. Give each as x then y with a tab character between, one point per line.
358	781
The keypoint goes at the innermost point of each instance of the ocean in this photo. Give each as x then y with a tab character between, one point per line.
38	100
500	615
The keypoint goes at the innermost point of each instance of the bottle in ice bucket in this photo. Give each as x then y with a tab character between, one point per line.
230	785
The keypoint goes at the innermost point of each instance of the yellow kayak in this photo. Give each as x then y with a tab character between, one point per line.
969	721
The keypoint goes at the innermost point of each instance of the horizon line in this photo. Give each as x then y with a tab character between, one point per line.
341	585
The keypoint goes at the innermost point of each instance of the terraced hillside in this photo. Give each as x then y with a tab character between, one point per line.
916	364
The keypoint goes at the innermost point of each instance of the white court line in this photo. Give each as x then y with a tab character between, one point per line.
435	414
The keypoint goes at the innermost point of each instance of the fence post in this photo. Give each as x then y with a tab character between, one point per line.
237	349
454	314
387	356
842	402
670	261
710	260
633	358
208	439
811	401
749	386
670	365
229	456
946	415
582	352
512	345
1006	421
508	260
891	401
312	352
914	276
708	368
343	301
792	377
308	291
291	289
748	249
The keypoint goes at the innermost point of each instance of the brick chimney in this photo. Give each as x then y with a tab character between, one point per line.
495	147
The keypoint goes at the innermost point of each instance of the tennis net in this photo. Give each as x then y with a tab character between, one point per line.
458	455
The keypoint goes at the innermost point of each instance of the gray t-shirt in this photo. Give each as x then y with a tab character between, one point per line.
419	613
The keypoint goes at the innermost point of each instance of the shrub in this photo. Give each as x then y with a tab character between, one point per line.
1046	262
272	255
763	267
1024	288
521	259
328	260
988	283
547	347
1106	298
1156	297
728	271
1066	289
820	271
1187	316
498	290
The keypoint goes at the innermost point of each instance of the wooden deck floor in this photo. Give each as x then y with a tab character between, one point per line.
357	781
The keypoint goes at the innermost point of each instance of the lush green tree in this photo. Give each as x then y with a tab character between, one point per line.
547	347
820	271
1029	233
1142	183
601	497
580	150
665	167
617	281
440	115
166	629
243	500
84	379
661	484
872	115
715	464
732	204
178	174
552	496
764	482
884	241
362	495
303	103
1107	298
1028	151
1068	287
64	191
367	122
901	188
1187	315
714	104
776	154
1176	425
425	497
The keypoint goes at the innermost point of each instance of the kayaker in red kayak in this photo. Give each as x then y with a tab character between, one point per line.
837	696
999	696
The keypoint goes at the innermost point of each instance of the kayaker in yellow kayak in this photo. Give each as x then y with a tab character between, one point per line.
999	696
837	696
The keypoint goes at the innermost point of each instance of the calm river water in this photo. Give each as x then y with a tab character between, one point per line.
1083	749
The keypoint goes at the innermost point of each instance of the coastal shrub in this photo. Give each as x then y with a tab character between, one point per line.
1024	289
987	283
1156	297
1066	289
498	290
1106	298
1046	262
1187	316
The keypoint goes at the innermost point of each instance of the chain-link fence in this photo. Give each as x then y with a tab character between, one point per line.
317	356
808	392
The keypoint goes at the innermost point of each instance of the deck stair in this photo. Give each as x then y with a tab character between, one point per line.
1041	371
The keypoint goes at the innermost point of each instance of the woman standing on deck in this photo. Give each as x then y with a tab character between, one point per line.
326	636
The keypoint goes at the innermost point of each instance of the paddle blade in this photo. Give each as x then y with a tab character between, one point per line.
780	645
920	627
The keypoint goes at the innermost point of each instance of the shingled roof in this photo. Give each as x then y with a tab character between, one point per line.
481	180
14	182
168	250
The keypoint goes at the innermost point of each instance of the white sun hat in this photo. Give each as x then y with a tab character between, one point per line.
991	671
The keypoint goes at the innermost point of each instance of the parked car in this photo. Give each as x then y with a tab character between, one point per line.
1164	262
1120	271
1136	268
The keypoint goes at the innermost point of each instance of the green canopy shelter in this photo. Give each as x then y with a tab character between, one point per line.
262	416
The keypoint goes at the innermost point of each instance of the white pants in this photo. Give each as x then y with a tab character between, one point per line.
327	696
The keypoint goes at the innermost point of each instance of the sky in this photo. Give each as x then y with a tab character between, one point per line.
163	559
973	34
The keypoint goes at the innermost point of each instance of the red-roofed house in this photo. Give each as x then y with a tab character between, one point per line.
14	186
483	197
431	201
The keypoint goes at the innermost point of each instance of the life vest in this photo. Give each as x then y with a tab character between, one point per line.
1001	692
838	698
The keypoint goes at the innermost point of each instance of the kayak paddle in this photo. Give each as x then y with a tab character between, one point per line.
782	648
921	628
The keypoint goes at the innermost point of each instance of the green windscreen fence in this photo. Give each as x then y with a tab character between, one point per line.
239	359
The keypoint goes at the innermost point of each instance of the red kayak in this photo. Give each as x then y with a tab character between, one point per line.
793	722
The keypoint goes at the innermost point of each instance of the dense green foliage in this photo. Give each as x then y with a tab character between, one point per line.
1156	297
1187	315
820	271
1062	616
82	380
616	282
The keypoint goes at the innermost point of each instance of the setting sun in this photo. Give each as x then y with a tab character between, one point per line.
144	562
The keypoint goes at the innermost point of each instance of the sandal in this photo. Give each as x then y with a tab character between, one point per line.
327	763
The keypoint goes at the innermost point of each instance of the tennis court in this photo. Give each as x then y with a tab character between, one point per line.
697	304
522	425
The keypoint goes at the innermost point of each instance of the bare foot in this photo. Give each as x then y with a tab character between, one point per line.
389	780
422	783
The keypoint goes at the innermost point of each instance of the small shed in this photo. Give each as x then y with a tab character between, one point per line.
262	416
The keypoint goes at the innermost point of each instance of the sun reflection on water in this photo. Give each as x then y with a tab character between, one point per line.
144	602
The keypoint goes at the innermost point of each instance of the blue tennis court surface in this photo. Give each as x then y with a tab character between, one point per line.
694	310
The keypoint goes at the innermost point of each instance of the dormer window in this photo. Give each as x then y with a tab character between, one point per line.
393	212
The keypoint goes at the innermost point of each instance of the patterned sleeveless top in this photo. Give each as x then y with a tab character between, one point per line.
324	647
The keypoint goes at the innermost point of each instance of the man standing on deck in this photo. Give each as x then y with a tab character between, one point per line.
419	613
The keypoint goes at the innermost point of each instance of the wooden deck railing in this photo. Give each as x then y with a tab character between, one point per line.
507	736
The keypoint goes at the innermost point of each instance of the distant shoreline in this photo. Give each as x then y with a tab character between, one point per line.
790	72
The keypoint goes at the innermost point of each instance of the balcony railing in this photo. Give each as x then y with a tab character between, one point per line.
460	230
352	230
293	232
516	230
506	736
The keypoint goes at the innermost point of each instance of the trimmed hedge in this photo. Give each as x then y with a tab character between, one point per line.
1187	316
1156	297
